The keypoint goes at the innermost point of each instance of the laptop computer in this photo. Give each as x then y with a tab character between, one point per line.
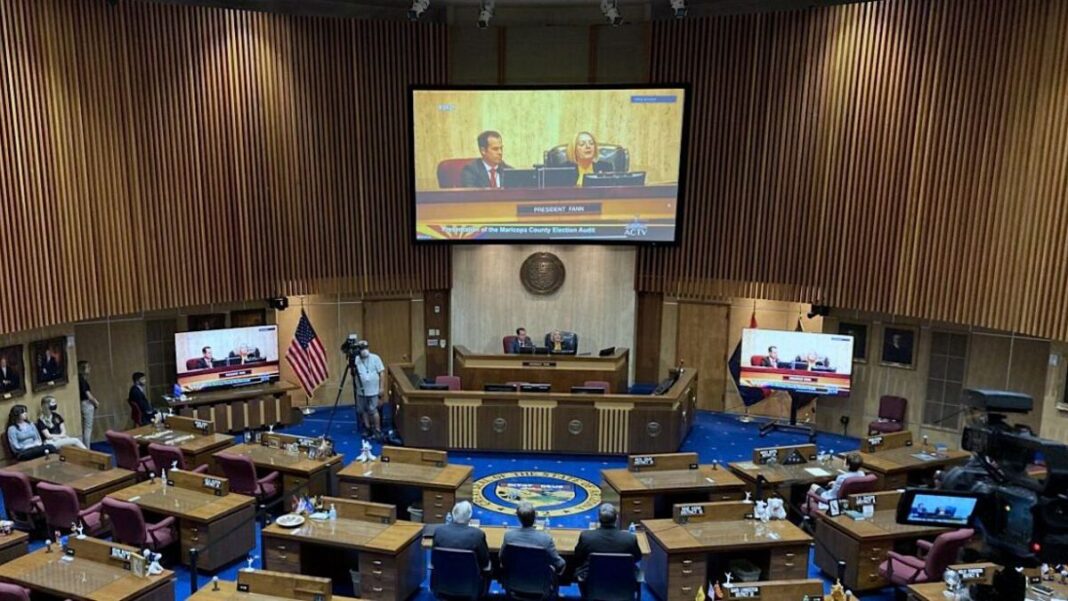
519	178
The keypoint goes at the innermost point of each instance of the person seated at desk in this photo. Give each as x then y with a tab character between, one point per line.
811	361
52	428
559	342
853	463
23	437
772	358
206	361
521	341
485	172
606	539
460	535
527	535
138	397
243	354
582	152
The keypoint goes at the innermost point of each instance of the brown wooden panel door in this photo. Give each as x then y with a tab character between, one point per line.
436	320
702	345
500	425
646	351
387	326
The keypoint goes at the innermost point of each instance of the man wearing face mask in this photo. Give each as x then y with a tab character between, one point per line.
369	369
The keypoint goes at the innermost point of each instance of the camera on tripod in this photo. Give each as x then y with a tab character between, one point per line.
1021	514
352	346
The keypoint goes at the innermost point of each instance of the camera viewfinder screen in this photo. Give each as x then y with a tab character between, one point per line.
941	510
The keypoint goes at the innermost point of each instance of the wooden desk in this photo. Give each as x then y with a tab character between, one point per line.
561	371
297	470
197	448
237	409
228	592
550	422
897	467
441	484
83	578
776	590
13	545
565	539
863	545
932	591
681	554
222	528
390	558
91	484
647	493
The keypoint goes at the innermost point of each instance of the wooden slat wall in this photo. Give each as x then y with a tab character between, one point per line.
159	156
906	157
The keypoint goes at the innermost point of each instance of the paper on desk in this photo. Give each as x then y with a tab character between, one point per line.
819	472
746	465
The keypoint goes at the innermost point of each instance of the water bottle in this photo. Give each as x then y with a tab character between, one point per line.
448	518
632	528
333	512
546	522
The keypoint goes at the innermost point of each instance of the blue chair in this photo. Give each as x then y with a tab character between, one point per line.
527	573
455	574
612	577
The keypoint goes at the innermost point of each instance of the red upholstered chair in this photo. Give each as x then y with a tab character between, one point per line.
852	486
166	457
452	381
128	454
507	343
23	507
598	384
241	472
135	412
62	510
449	172
13	592
932	561
130	528
191	364
756	360
892	411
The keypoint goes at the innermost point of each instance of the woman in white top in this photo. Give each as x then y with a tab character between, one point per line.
53	430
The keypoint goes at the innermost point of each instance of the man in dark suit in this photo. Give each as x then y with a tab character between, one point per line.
460	535
772	358
606	539
528	535
50	369
485	172
521	341
9	380
206	361
140	398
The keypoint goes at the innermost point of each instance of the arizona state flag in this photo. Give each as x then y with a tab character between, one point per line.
749	394
700	594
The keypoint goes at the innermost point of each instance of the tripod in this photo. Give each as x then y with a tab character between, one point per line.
350	368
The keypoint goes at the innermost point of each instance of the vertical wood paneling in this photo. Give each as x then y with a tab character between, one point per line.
160	156
905	157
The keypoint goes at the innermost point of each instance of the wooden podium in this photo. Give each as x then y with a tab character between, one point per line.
237	409
561	371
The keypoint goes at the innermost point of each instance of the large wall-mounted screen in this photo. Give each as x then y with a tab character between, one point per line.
545	164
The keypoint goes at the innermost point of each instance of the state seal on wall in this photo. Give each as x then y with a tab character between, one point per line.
542	273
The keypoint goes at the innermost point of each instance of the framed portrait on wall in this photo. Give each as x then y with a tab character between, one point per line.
859	332
207	321
12	372
48	363
246	318
899	347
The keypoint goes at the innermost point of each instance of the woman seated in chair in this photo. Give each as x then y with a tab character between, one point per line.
23	437
582	152
52	427
853	463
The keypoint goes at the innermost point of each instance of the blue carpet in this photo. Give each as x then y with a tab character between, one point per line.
715	437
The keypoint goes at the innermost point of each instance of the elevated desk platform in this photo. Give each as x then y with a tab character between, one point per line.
561	371
651	484
90	573
89	473
441	484
614	424
235	409
222	527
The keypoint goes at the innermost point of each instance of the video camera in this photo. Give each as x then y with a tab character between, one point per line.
352	346
1022	516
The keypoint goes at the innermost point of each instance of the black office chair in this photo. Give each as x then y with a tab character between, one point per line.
611	577
527	573
455	574
612	157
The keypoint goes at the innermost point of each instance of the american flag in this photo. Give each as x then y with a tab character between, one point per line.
306	355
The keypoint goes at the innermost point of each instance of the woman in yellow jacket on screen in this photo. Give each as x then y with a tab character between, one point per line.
582	152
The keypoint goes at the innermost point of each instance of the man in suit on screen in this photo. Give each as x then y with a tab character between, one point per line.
206	360
485	172
772	358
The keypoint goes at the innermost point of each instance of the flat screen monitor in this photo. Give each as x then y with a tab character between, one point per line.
587	390
432	386
804	362
594	164
937	508
499	387
535	388
225	358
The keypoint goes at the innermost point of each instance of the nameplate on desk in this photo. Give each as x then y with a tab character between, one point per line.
643	461
863	500
686	511
7	396
215	484
539	364
971	574
201	425
875	441
120	554
745	592
242	587
766	455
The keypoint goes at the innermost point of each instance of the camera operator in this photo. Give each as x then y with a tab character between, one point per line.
370	370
